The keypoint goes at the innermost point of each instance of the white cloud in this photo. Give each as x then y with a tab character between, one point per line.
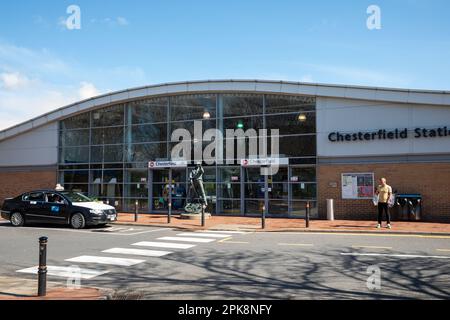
33	82
87	90
13	80
122	21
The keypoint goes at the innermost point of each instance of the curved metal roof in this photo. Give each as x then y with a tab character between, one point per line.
260	86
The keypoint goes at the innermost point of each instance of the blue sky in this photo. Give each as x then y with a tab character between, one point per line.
124	44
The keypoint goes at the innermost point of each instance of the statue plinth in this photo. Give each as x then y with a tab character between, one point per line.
194	216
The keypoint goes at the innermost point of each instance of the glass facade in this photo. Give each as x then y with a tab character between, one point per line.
105	153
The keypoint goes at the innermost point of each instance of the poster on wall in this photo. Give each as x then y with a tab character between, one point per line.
357	185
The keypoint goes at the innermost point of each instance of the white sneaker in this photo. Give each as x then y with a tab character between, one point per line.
389	226
378	226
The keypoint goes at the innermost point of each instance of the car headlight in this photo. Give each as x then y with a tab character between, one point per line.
96	211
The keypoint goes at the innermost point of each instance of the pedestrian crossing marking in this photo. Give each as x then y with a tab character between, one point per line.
206	235
187	239
106	260
165	245
67	272
138	252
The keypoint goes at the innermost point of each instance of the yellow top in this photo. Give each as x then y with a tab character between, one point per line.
384	192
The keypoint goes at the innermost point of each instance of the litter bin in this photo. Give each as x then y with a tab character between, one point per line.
409	207
330	209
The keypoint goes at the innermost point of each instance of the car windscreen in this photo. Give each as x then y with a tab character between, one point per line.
76	197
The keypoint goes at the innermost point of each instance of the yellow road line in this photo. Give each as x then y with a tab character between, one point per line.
443	250
371	247
296	244
227	240
367	235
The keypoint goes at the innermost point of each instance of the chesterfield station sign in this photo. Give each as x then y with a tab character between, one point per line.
383	134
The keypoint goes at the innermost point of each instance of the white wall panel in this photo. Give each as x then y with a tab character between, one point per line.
33	148
352	116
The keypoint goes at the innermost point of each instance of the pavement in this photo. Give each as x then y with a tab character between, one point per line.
285	225
14	288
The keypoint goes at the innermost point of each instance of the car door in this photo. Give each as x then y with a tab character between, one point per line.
54	209
33	206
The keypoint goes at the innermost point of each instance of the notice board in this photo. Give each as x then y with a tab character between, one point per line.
357	186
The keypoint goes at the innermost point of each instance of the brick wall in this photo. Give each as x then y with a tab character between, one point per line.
14	183
432	180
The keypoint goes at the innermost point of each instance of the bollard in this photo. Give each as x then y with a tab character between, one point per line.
42	271
136	211
169	213
307	214
203	215
263	218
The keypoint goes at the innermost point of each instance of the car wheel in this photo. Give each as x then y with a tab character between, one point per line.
77	221
17	219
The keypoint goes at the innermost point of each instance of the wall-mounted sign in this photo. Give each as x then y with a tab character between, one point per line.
264	162
234	178
357	185
294	179
167	164
397	134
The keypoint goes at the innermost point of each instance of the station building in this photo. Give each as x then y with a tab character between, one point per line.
336	142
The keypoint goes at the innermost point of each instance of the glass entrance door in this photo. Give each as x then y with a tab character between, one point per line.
277	197
159	195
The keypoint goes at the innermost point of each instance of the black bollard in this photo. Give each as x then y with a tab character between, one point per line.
136	211
42	271
203	215
307	214
263	217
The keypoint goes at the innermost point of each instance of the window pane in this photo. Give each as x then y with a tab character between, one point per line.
107	154
230	174
112	176
244	123
149	133
278	207
111	116
278	190
76	176
284	104
304	174
137	176
229	207
136	190
149	111
147	152
189	126
74	155
76	122
229	190
192	107
113	154
113	135
300	146
304	191
74	138
288	124
254	190
238	105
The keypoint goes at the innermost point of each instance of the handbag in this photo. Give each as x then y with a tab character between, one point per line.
375	200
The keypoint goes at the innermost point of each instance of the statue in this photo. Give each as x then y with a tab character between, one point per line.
196	194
